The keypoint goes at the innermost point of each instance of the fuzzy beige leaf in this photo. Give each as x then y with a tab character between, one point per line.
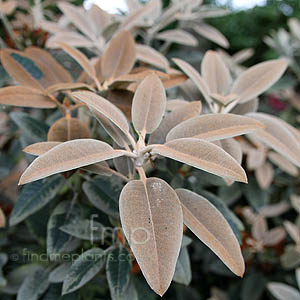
40	148
133	19
101	168
16	70
202	155
116	134
283	163
215	73
277	136
255	158
151	56
66	129
247	107
77	18
274	236
80	58
232	147
293	231
71	38
25	96
274	210
177	36
68	86
258	79
8	7
283	291
48	64
176	103
2	218
194	76
119	57
212	34
264	175
68	156
172	119
213	127
152	221
259	228
149	104
105	108
295	200
209	225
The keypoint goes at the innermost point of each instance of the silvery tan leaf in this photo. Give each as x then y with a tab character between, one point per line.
177	36
49	65
124	165
295	200
194	76
283	291
80	58
172	119
17	71
209	225
283	163
77	18
293	231
68	156
294	26
255	158
148	105
66	129
176	103
257	79
215	73
8	7
274	236
152	221
133	19
151	56
242	55
232	147
264	175
202	155
73	39
259	228
40	148
105	108
2	219
277	136
68	86
213	127
212	34
111	129
25	96
120	55
274	210
244	108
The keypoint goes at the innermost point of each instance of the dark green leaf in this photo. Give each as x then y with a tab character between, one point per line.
183	272
118	270
57	240
104	194
85	229
84	268
59	273
34	285
34	196
33	128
